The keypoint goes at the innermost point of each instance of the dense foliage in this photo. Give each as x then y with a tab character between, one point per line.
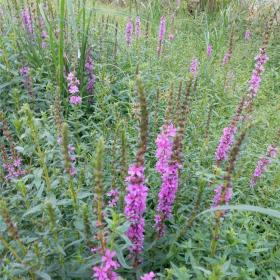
139	142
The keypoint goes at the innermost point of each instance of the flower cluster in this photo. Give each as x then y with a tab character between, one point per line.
27	20
105	271
148	276
247	35
161	33
164	144
263	163
255	81
223	195
135	206
13	168
73	89
169	175
225	143
89	66
114	195
129	32
227	57
24	71
209	50
194	66
27	80
138	27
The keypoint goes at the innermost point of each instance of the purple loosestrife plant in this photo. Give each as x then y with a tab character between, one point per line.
247	35
229	132
135	206
148	276
161	34
194	67
13	168
263	164
228	53
220	199
209	50
114	195
129	32
169	176
27	20
24	71
254	84
223	193
138	27
89	67
227	57
105	271
27	80
136	191
225	143
73	89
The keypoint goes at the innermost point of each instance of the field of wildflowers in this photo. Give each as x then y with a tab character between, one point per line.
139	140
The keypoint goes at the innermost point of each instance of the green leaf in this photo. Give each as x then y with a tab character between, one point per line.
43	275
244	207
121	259
35	209
180	273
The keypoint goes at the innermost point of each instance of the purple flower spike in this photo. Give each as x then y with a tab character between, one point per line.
73	89
222	195
148	276
209	50
138	27
226	58
194	66
255	82
105	271
247	35
129	32
75	99
225	143
169	175
263	163
161	33
24	71
114	195
27	20
135	206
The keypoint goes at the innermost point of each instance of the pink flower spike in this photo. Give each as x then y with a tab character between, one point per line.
263	163
225	143
194	66
75	99
247	35
209	50
138	27
148	276
129	32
